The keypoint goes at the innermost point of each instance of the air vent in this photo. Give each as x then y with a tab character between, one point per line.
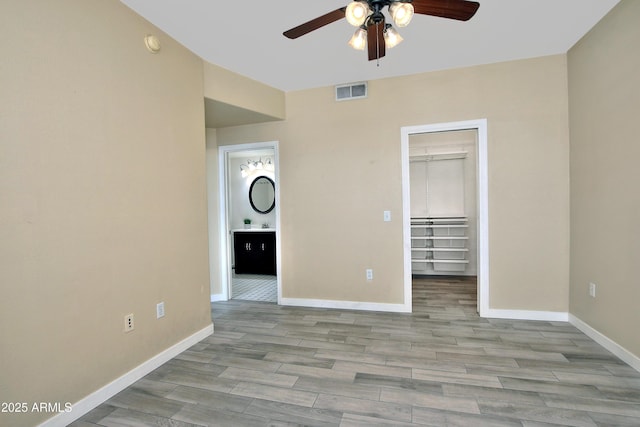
351	91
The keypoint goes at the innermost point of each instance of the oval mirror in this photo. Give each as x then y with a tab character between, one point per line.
262	194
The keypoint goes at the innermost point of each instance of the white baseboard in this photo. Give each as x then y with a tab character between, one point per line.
91	401
217	297
345	305
615	348
548	316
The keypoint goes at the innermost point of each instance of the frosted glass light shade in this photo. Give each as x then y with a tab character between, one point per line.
391	37
401	13
357	13
359	39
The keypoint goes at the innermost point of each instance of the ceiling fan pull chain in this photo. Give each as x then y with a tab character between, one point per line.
378	43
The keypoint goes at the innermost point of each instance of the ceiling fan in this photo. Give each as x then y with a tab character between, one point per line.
373	32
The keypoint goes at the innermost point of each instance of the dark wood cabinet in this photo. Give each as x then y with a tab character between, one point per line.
255	252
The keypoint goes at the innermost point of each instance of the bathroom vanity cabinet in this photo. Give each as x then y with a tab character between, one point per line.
254	251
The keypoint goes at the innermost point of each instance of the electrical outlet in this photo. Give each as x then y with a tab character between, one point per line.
160	310
592	290
369	273
128	322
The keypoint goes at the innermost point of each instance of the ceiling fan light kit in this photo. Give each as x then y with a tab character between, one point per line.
373	31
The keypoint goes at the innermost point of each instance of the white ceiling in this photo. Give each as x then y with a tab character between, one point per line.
246	37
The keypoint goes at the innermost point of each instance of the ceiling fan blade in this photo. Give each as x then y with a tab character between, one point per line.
462	10
316	23
375	40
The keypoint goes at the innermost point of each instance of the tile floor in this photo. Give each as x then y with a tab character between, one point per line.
442	365
254	287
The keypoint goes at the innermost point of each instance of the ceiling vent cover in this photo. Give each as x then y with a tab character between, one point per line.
351	91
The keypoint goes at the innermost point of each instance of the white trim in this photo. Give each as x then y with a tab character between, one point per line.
218	297
223	228
625	355
480	126
344	305
225	249
548	316
96	398
406	217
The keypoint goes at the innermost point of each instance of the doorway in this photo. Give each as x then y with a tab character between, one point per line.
479	223
249	212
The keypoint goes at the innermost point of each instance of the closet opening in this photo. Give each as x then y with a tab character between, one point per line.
442	171
445	206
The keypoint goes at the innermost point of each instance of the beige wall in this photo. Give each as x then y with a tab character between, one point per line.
604	93
102	198
340	168
233	89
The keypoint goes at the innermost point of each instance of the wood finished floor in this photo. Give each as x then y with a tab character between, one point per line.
442	365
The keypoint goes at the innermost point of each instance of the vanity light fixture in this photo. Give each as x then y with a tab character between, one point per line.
256	165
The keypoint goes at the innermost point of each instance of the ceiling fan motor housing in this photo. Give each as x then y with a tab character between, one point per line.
376	7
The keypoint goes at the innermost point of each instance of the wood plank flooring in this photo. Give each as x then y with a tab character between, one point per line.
442	365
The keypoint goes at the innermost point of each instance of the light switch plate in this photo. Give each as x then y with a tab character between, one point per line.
160	310
387	216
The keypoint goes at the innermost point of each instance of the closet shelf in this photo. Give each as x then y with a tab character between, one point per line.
439	238
439	226
439	243
439	219
439	250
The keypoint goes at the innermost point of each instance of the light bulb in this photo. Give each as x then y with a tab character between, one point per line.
269	166
357	13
